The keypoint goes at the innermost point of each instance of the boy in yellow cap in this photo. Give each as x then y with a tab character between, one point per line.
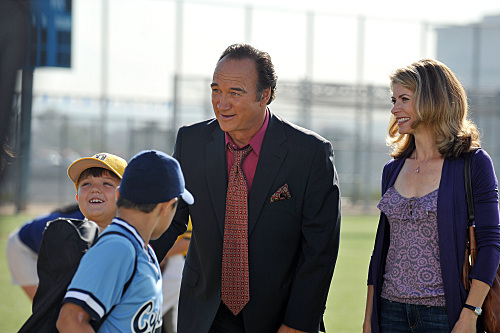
96	179
23	243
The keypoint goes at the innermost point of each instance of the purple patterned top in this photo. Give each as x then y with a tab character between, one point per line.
412	272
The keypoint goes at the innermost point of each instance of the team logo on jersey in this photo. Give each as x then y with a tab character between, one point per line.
146	319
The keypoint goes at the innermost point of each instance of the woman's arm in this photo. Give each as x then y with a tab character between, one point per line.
487	219
467	320
367	324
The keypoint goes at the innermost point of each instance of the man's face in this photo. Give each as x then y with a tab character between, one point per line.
96	198
238	109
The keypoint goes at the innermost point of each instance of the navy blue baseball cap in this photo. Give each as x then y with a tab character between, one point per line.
152	176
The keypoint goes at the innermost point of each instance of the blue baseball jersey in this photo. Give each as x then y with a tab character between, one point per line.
104	270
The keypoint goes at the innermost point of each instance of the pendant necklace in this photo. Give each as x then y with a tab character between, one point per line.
417	170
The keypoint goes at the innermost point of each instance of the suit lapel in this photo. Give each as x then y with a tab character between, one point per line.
217	175
270	160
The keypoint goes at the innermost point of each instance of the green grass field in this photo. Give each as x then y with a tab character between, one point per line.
346	302
15	306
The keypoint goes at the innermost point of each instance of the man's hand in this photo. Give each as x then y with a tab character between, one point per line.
286	329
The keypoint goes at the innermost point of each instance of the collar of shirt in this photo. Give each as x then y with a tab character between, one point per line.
249	164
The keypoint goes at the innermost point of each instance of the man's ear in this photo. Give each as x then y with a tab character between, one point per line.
117	192
266	95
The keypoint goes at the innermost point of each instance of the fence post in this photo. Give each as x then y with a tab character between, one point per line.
23	171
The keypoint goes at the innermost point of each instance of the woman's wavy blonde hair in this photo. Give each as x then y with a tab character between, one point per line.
440	102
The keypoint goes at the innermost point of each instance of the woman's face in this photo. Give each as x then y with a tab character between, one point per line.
403	109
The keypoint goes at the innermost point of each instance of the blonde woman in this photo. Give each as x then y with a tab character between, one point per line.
414	282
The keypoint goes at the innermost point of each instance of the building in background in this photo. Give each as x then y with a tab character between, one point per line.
471	51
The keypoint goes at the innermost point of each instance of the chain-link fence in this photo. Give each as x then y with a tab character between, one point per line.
333	75
353	117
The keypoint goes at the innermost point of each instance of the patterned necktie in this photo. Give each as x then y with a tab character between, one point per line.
235	275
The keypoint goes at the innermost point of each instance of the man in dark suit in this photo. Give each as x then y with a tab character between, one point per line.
291	218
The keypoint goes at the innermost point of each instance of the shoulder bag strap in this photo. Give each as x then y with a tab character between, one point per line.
468	187
470	242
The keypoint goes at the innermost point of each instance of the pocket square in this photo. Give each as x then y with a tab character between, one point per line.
281	194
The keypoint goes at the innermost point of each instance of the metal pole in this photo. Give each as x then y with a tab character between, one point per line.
307	90
360	67
476	56
25	140
208	105
310	46
358	111
248	23
424	30
104	73
370	95
179	22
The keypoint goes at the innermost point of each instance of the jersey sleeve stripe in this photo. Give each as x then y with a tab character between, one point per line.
86	301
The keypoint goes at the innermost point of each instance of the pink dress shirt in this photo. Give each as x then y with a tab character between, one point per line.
250	162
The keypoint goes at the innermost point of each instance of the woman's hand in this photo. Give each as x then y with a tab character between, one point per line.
367	324
467	320
466	323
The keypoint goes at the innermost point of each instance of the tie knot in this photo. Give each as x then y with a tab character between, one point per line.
239	154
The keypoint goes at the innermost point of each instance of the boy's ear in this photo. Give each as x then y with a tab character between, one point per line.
173	201
163	208
167	205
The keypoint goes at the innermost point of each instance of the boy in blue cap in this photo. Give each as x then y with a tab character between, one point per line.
147	199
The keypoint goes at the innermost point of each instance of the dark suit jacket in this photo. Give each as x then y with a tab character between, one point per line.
293	243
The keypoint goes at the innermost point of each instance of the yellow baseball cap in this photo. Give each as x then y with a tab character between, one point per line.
106	161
